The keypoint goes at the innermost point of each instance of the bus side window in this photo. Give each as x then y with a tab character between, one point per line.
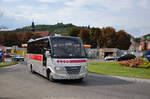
47	46
40	45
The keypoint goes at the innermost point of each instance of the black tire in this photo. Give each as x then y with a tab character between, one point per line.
49	77
80	80
31	70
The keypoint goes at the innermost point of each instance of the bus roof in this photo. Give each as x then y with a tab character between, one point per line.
32	40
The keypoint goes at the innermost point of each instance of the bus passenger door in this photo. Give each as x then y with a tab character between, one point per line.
44	63
44	60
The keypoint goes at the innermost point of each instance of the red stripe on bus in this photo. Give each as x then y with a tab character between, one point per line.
36	57
71	61
77	61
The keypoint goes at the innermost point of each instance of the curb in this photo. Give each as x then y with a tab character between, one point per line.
123	78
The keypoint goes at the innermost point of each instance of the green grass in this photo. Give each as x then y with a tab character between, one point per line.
112	68
3	64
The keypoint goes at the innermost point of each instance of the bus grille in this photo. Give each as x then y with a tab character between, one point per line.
73	69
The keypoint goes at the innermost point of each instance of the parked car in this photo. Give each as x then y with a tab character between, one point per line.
126	57
17	58
7	55
107	58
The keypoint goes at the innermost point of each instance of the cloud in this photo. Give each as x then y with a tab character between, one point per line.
41	1
11	0
50	1
29	7
90	9
1	13
108	4
144	4
131	15
12	20
96	6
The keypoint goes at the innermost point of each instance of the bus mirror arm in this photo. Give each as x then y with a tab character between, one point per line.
47	49
47	53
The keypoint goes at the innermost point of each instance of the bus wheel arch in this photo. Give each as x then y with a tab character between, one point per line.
48	74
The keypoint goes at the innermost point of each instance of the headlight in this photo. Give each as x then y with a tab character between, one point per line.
57	68
83	69
60	70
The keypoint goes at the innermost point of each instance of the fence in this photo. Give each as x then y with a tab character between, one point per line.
92	53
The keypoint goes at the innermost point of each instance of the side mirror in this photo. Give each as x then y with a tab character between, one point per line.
47	49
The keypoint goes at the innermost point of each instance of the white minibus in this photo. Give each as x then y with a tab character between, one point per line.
57	57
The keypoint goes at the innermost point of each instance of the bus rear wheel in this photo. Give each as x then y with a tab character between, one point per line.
31	69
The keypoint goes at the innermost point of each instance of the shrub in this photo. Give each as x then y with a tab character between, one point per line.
145	64
137	62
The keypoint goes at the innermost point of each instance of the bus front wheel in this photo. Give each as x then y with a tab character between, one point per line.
80	80
49	76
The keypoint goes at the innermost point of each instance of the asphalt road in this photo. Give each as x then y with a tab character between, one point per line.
16	82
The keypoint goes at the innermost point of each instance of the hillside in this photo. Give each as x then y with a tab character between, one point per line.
57	28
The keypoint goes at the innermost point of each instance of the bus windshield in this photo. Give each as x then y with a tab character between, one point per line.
67	47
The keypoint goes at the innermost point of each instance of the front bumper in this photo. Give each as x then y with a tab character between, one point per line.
67	76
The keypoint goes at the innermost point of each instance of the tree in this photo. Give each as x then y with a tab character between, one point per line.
35	35
85	36
108	37
10	38
29	35
21	39
123	40
96	37
74	31
1	38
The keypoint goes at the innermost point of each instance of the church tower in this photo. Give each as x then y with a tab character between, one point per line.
33	26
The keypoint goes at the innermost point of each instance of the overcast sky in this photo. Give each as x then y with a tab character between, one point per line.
131	15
